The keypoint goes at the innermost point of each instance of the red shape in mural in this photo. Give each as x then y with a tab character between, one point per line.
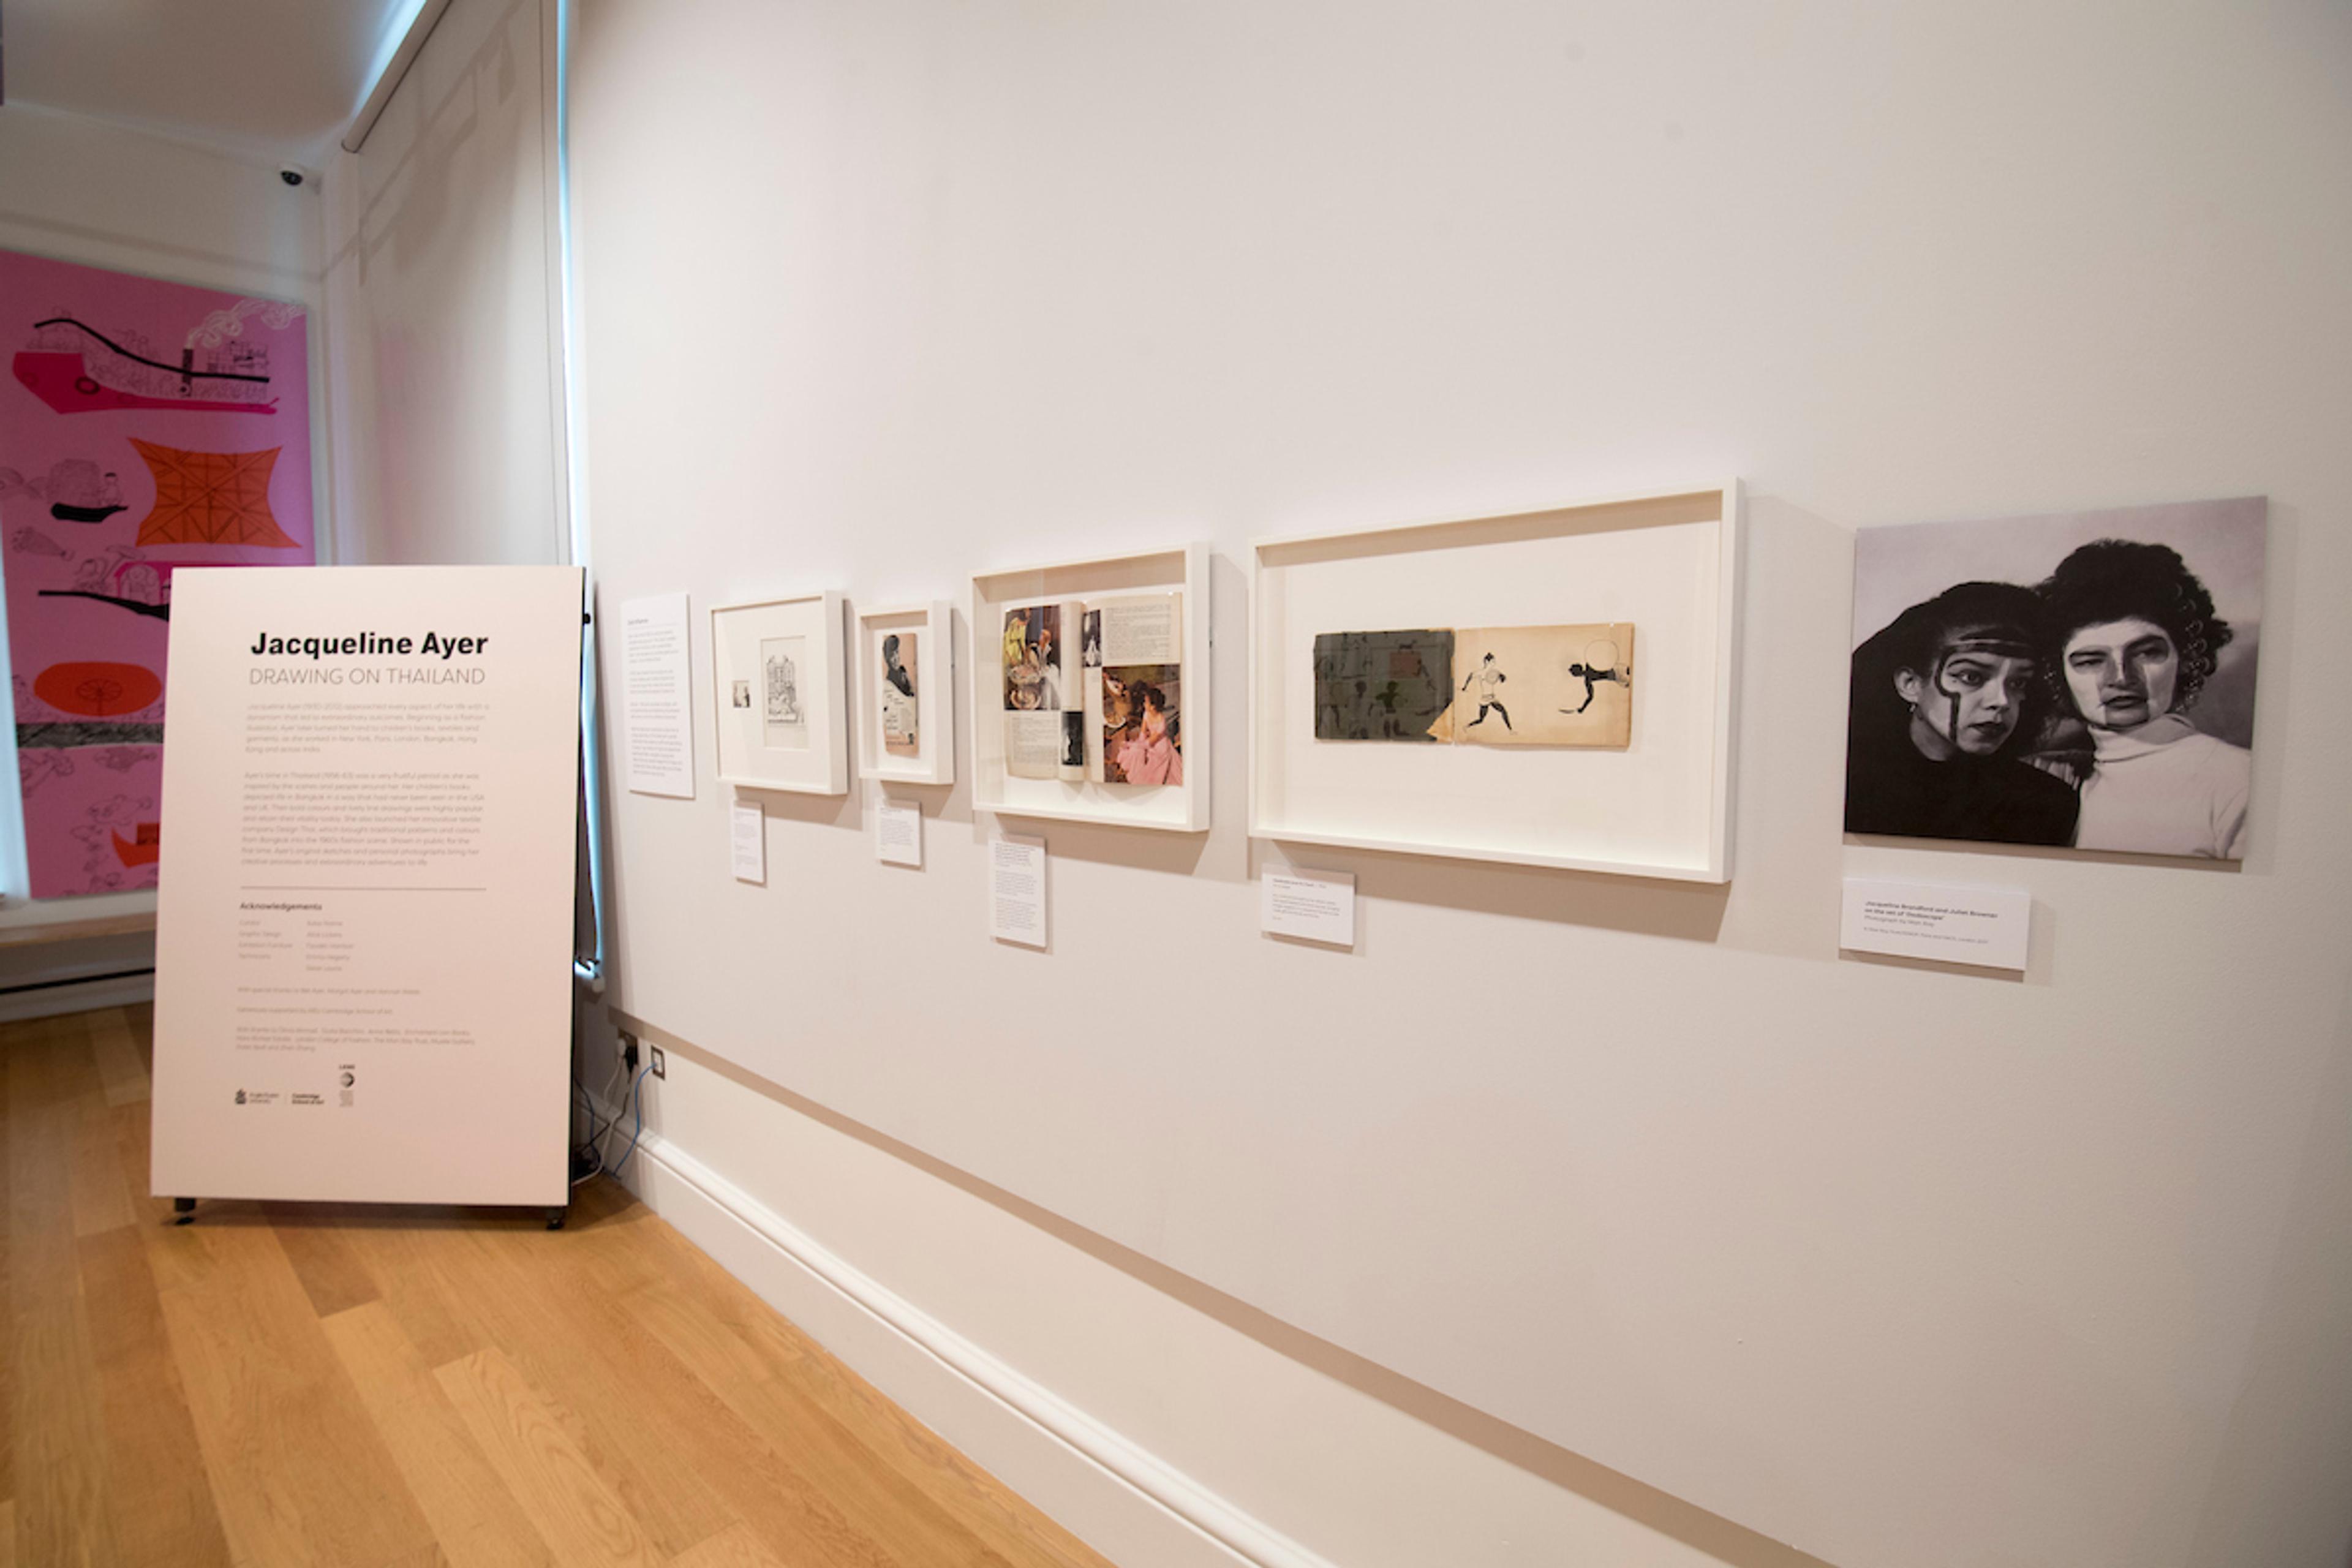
210	498
97	688
76	369
144	849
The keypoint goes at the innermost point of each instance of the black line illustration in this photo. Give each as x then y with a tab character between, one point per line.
1490	692
162	612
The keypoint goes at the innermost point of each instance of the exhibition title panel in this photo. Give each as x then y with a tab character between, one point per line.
365	919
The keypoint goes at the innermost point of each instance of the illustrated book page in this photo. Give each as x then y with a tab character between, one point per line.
897	676
1133	659
1045	703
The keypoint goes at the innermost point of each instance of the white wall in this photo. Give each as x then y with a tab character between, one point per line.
1897	1265
442	276
106	196
1288	1437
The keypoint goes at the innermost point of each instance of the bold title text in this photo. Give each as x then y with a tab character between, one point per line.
267	646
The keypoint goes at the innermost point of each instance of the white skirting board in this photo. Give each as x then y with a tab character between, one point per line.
1088	1478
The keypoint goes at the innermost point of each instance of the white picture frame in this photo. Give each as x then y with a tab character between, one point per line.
1170	808
932	624
779	703
1668	562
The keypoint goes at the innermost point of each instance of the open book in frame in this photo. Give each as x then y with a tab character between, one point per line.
1093	689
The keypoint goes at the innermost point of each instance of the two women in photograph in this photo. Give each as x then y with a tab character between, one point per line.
2051	715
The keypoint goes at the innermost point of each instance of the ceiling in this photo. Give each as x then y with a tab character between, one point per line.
280	77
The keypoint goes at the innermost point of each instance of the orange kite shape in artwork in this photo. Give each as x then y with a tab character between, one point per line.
211	497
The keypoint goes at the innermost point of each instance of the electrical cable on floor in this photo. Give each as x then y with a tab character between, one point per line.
638	1100
585	1151
584	1154
596	1139
605	1167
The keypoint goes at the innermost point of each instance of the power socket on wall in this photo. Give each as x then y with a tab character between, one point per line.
628	1051
661	1062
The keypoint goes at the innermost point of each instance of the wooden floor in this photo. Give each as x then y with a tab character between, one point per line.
355	1386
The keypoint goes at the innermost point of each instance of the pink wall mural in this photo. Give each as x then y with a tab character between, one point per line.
144	427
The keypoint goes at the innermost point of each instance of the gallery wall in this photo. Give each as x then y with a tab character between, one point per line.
443	287
1897	1264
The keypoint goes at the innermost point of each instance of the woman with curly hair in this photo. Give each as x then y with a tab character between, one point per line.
1943	700
2130	636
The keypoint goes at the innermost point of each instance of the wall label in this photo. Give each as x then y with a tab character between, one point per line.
1983	926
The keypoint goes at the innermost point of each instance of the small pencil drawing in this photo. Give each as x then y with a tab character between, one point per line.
742	695
783	707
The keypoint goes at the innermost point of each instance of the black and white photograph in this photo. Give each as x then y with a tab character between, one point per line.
2081	680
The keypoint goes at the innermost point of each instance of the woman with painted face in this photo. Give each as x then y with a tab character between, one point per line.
2129	637
1943	702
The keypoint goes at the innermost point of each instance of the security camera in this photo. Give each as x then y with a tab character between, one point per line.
292	176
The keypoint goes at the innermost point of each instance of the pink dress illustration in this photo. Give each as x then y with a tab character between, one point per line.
1150	760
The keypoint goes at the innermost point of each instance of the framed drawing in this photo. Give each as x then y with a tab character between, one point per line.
906	706
781	714
1090	690
1551	688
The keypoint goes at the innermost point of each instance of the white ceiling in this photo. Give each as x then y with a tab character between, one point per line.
283	77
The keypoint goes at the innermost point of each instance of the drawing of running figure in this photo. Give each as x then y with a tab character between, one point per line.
1490	692
1593	671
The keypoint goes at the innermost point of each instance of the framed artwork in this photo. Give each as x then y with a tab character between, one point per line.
1551	688
2081	680
1090	690
778	693
906	706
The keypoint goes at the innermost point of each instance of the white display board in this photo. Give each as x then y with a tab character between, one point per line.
364	937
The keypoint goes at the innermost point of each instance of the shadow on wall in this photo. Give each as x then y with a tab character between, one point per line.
1140	848
1733	1543
1692	911
2295	1357
843	810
